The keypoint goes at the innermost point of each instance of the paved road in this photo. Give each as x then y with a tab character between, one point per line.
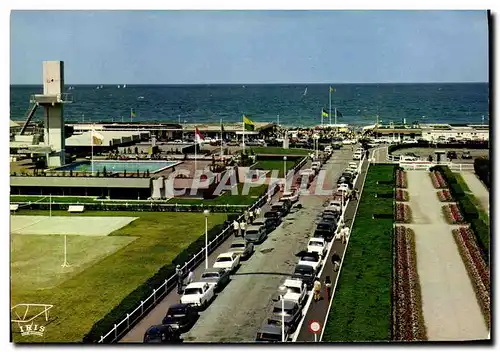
156	315
318	310
241	309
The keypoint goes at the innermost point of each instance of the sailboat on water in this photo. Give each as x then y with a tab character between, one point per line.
305	92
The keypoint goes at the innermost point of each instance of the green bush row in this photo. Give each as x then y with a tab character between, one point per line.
362	307
482	170
469	210
133	300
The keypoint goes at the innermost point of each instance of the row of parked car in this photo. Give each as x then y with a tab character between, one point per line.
198	295
301	281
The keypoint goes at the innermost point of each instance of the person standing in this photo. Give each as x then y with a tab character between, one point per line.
328	287
178	271
245	215
243	227
236	228
250	216
317	290
257	213
335	261
190	277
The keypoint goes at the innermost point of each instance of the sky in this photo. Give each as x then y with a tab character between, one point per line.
200	47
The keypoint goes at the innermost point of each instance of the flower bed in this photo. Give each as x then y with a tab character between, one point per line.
402	195
403	213
476	268
408	319
438	180
452	214
445	196
401	179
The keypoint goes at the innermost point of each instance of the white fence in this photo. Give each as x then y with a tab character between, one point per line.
421	165
128	322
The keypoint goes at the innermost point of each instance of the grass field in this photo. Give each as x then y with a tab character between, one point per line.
98	281
279	150
275	165
461	182
361	310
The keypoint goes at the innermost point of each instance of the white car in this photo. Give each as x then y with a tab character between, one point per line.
312	259
328	149
198	294
349	141
316	166
296	291
356	156
318	245
291	196
353	165
228	261
343	187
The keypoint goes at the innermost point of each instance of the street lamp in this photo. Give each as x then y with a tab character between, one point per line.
282	291
206	212
284	174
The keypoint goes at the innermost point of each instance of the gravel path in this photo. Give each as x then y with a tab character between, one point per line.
240	310
478	188
450	308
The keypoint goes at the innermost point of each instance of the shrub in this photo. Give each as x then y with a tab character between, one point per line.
482	232
468	208
457	191
482	170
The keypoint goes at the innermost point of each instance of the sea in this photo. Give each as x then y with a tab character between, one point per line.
290	104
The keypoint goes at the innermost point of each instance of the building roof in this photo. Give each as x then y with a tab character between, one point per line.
110	138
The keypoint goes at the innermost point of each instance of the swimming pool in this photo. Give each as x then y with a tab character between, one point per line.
119	166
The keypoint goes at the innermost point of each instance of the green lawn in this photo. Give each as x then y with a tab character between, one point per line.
280	150
82	298
362	308
275	165
58	199
461	182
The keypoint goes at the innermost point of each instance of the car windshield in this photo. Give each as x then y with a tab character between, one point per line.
279	311
193	291
276	207
293	290
210	275
238	245
224	259
316	243
175	312
252	233
270	215
308	259
323	226
303	271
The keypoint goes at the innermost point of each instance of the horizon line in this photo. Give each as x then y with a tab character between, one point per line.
251	84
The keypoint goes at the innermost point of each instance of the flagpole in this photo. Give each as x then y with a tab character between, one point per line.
243	120
335	117
321	117
330	112
195	147
92	149
221	150
130	114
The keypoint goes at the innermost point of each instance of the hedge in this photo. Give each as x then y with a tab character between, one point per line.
482	170
426	144
482	232
133	300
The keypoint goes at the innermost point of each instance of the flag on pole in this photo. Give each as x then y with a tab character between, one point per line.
332	90
198	137
248	124
324	113
97	138
132	114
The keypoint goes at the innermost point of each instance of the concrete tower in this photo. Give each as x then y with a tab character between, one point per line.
52	101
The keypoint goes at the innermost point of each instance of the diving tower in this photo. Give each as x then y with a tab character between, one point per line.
52	101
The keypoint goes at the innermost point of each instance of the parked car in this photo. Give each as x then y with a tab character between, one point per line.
310	258
198	294
282	206
466	155
328	217
305	273
296	291
228	261
292	196
317	245
292	314
274	215
271	333
217	276
233	143
344	187
180	316
316	166
325	229
255	234
242	247
331	211
451	155
161	334
269	223
357	156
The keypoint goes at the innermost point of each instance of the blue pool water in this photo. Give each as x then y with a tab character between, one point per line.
119	166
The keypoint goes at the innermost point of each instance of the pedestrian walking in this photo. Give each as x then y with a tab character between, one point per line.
345	234
190	277
250	216
245	215
178	271
269	198
257	213
317	290
243	227
328	287
335	261
236	228
355	194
